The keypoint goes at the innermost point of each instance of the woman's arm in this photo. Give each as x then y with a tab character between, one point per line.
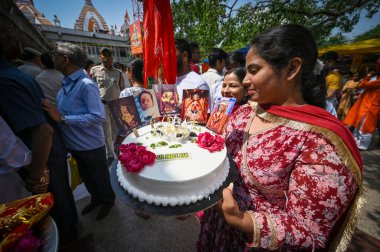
321	188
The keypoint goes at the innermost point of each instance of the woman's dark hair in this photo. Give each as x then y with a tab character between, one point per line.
136	66
89	63
279	45
235	59
239	72
47	61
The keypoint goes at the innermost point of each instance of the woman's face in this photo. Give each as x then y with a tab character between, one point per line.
146	101
264	84
232	87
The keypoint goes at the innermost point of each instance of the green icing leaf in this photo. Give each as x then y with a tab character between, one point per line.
175	146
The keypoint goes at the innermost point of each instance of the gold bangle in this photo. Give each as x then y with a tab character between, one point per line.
255	232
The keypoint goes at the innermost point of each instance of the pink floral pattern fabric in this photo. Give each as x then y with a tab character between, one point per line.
301	187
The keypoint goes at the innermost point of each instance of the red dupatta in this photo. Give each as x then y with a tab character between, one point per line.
319	117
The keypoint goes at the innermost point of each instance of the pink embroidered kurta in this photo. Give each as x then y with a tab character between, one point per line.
297	188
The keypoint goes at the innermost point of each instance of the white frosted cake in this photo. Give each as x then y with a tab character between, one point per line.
182	173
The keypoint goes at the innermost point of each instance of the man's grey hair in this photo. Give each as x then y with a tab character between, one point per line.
73	52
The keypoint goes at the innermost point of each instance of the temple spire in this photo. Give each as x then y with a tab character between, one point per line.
88	2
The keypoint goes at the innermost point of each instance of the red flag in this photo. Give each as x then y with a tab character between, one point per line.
160	60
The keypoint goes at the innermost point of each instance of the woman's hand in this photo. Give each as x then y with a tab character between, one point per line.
237	219
230	209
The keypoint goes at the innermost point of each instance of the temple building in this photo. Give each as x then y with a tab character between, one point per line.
31	13
90	19
91	32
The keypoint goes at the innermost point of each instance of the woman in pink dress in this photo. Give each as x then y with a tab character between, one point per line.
299	170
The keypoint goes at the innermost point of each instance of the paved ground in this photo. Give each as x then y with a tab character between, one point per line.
122	230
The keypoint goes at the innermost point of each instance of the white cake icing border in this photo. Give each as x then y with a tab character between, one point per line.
172	201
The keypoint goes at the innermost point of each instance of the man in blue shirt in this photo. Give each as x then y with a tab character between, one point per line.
80	115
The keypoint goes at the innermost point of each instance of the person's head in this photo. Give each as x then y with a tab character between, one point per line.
330	57
195	96
124	109
11	48
233	85
217	59
235	59
46	60
183	52
168	95
134	72
280	65
89	65
68	57
105	57
222	107
146	100
195	52
31	55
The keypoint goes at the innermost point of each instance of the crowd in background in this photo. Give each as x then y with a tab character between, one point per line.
74	118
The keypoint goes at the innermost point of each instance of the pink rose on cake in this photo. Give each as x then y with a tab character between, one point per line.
209	142
134	157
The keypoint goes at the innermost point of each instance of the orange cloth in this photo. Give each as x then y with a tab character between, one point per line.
367	105
345	100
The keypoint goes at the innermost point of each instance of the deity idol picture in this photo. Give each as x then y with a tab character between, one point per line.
195	105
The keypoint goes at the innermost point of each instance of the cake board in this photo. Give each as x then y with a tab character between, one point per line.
152	209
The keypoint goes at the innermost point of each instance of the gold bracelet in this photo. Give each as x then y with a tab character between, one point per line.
255	233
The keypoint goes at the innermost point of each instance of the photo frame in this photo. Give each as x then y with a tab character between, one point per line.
125	114
219	115
167	98
195	105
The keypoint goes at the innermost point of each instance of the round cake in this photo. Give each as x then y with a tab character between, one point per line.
182	173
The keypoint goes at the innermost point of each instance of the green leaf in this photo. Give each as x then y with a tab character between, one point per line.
153	146
175	146
139	144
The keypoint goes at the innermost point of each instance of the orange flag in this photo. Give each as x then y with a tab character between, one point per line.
160	60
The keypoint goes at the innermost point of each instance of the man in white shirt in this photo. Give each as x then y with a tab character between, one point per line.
186	79
217	60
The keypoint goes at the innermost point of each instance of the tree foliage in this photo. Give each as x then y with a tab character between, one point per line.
370	34
232	24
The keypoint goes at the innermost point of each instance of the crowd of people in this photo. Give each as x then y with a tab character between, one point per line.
299	174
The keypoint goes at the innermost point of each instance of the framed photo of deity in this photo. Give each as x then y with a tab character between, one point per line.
125	114
219	116
146	104
167	98
195	105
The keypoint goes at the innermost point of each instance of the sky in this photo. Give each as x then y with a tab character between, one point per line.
113	12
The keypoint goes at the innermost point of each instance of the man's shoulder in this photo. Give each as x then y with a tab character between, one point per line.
97	69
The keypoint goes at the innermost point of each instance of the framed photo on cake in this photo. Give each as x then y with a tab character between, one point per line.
195	105
219	116
167	98
146	104
125	114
